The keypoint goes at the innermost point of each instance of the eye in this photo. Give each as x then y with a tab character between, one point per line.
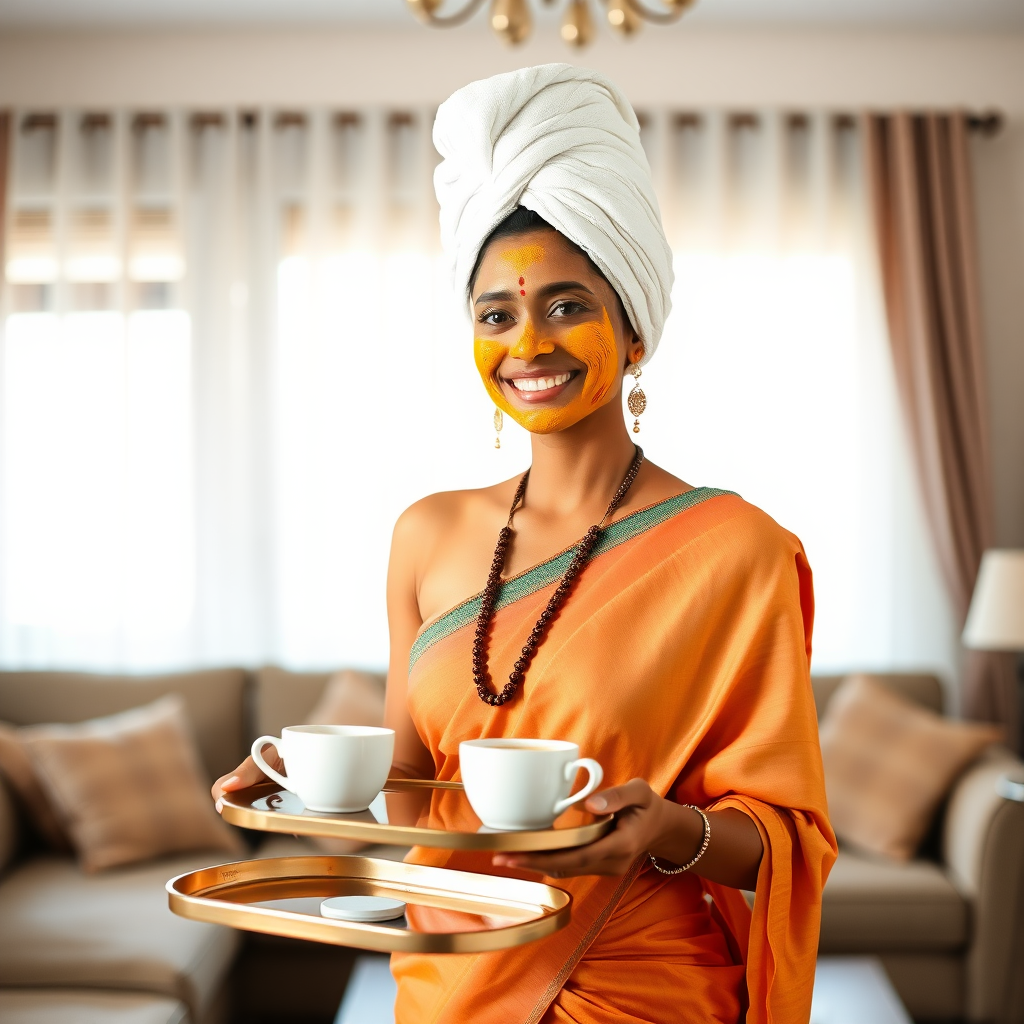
567	307
494	317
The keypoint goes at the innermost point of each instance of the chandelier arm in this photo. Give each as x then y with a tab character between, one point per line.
659	17
451	20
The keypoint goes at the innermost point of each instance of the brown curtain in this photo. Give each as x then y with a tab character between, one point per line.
5	127
919	172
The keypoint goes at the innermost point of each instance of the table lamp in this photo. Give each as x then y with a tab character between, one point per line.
995	620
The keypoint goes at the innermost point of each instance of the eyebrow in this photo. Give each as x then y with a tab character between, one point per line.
494	297
564	286
548	289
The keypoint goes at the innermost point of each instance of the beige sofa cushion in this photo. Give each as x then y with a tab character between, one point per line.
62	927
350	698
283	698
128	787
872	905
917	687
80	1006
889	763
214	703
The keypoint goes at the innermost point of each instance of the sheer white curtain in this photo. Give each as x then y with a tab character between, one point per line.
775	378
213	418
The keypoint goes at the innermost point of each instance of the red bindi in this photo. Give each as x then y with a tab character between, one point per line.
522	291
522	281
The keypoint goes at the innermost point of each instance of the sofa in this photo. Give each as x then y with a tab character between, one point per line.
104	947
948	926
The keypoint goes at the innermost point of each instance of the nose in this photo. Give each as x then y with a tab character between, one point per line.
529	345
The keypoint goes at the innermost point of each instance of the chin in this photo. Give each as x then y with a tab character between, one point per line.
549	421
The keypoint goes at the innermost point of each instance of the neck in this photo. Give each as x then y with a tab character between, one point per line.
580	468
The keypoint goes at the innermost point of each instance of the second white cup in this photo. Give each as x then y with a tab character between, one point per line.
517	784
331	767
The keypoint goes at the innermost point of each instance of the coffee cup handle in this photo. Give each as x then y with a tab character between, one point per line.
596	777
257	756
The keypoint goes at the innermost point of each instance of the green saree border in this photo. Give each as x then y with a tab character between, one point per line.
546	573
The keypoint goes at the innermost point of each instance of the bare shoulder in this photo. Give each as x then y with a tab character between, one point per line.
443	545
432	524
436	514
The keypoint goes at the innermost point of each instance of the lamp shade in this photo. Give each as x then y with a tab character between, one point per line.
995	621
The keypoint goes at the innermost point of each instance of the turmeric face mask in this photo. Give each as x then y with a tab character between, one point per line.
592	345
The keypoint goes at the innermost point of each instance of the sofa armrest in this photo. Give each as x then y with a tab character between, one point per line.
983	846
10	827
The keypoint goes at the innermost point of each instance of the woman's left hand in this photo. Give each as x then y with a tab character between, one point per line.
644	823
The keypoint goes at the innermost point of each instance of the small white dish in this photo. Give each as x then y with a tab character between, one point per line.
362	908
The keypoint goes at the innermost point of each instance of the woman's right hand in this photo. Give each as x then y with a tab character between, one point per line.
247	774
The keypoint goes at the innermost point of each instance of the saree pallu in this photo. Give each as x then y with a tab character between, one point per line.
681	657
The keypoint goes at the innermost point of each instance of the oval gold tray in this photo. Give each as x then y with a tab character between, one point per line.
446	911
409	812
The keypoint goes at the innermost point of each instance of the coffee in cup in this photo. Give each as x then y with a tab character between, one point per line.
516	784
338	768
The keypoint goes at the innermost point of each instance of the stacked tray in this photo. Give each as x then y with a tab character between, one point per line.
447	911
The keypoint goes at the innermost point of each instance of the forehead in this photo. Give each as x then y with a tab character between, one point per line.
544	254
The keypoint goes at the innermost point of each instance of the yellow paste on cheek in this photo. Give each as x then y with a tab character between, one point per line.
593	344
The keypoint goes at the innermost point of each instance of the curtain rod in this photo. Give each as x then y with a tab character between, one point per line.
988	123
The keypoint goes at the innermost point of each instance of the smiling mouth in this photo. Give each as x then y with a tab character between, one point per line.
535	384
541	389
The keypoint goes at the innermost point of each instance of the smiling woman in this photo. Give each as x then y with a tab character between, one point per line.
664	629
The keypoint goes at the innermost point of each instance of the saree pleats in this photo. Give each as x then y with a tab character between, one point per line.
681	657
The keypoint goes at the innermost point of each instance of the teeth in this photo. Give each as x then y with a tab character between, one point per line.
540	383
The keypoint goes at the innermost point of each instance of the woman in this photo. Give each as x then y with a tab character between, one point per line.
672	643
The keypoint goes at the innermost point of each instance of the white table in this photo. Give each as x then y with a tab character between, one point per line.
370	993
847	990
855	990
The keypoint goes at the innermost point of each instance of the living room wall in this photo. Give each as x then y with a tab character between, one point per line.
837	69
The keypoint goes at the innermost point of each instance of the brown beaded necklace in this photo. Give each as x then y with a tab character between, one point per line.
481	674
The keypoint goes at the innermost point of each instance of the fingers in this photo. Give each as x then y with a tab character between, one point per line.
245	775
565	865
634	805
611	855
635	793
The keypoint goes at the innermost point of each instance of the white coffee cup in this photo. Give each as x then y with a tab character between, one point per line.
331	767
516	784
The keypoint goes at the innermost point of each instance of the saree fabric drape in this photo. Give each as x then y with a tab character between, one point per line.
919	175
681	657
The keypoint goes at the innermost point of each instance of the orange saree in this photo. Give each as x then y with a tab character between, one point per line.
682	658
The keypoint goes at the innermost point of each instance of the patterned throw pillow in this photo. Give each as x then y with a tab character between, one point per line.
128	787
889	764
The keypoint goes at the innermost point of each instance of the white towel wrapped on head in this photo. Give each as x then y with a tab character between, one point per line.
564	142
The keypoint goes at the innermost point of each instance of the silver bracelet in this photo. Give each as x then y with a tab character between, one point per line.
697	856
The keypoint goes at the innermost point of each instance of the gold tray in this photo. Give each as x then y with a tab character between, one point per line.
446	911
409	812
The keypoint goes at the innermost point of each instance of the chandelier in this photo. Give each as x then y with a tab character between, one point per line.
512	19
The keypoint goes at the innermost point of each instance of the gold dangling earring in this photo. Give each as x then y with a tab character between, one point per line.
499	422
636	400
